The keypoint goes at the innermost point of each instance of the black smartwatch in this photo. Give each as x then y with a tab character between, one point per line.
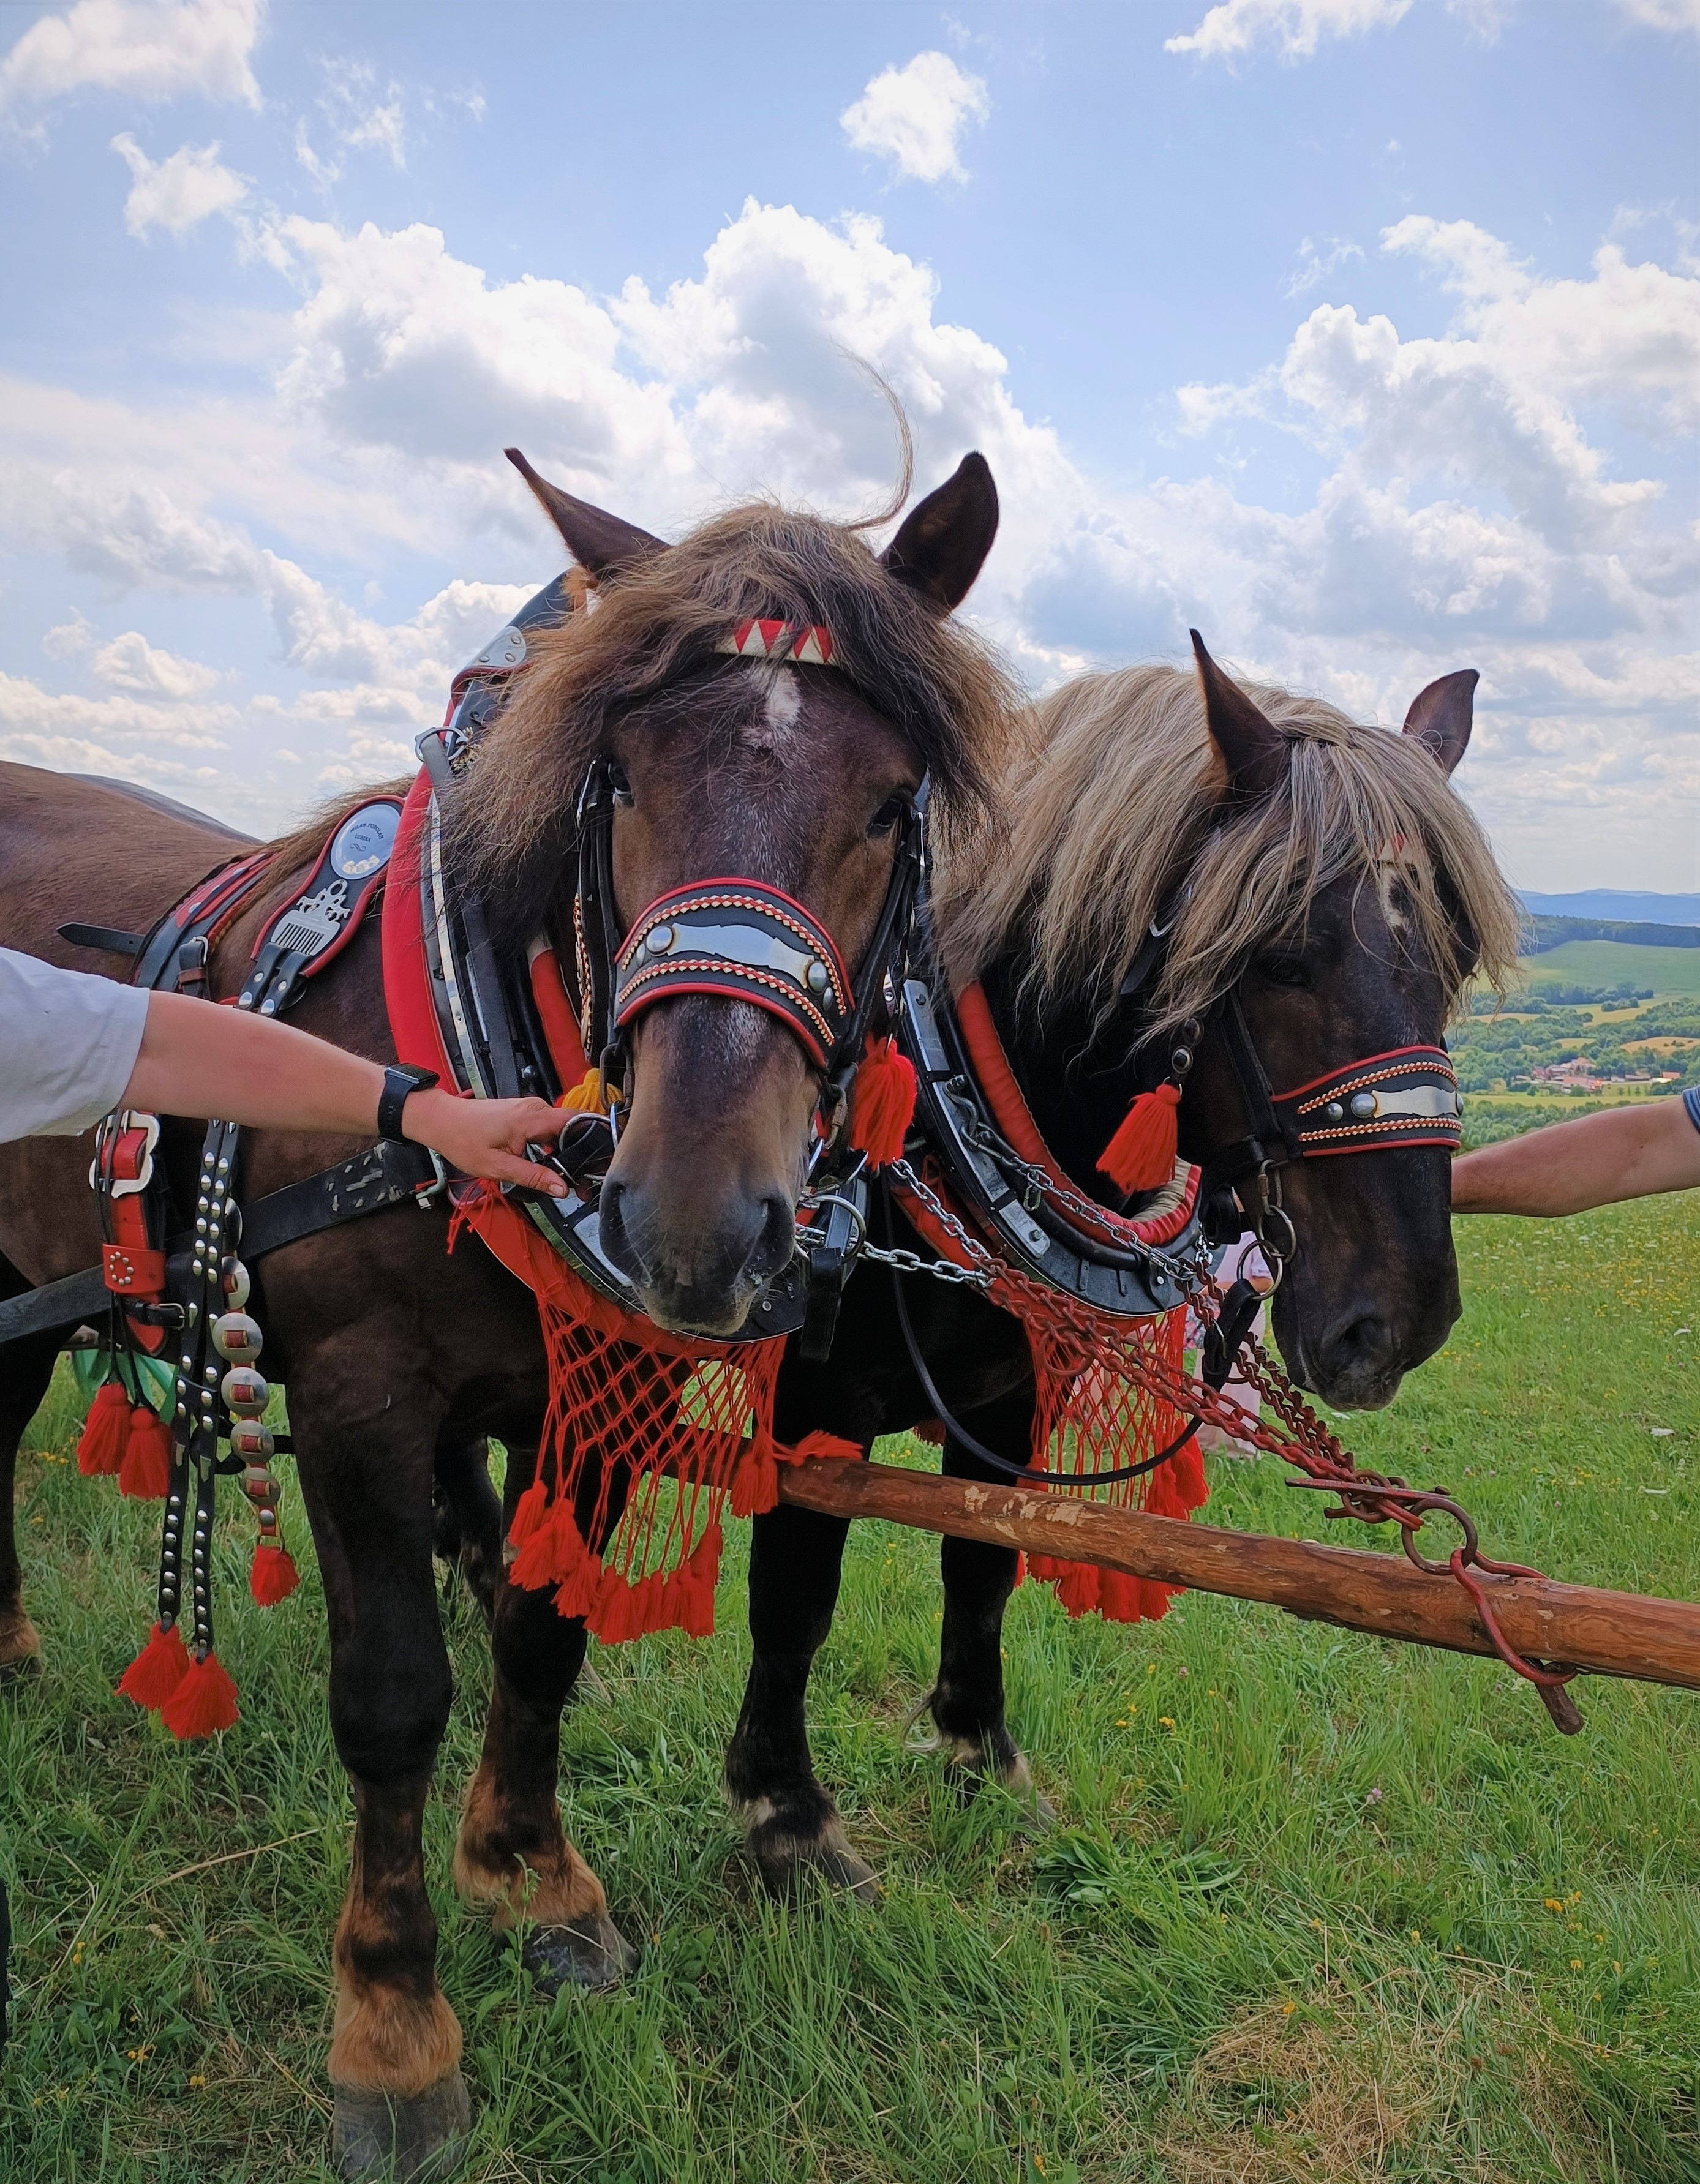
401	1081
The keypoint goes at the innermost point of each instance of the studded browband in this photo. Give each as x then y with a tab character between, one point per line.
1408	1096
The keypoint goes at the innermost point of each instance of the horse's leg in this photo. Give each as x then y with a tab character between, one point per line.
967	1703
512	1852
468	1517
26	1369
366	1478
791	1825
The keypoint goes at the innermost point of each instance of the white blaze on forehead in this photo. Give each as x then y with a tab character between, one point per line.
773	729
1399	857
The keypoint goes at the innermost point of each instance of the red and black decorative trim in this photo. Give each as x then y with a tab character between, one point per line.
744	941
1408	1096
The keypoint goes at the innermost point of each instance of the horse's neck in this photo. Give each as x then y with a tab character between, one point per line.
1077	1080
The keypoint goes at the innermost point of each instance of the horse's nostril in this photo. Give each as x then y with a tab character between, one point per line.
1363	1345
611	1228
774	1244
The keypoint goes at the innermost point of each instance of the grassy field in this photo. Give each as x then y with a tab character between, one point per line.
1668	971
1320	1908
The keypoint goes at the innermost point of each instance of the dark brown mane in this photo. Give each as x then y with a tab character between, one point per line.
656	628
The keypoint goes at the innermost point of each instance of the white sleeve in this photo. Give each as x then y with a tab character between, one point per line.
67	1044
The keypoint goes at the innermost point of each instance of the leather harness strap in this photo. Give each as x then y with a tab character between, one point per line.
388	1174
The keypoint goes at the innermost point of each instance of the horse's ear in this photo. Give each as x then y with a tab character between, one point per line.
944	539
1254	749
596	541
1441	718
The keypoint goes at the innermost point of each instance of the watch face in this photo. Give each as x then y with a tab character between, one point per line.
364	841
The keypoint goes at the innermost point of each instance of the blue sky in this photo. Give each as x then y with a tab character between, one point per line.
1365	334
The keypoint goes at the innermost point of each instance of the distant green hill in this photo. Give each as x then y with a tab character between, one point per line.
1542	934
1604	964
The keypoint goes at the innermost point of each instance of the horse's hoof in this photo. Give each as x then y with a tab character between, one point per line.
788	1863
421	2140
969	1766
590	1953
20	1649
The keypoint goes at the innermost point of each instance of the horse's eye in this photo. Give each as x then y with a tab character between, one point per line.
1283	971
888	815
619	783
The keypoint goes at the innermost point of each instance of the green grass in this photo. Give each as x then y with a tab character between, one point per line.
1668	971
1298	1922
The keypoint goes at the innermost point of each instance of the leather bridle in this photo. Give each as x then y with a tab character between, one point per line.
1404	1096
738	940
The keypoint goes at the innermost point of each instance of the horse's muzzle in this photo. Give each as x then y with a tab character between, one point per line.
703	1275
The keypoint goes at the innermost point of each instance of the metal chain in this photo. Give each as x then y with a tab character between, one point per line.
1300	1438
1188	1274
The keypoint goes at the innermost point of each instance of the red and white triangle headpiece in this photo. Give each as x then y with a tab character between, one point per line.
806	644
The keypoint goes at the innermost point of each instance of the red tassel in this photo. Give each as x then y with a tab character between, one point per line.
755	1481
205	1701
100	1446
577	1595
551	1552
614	1618
882	1103
272	1575
818	1444
1140	1156
145	1474
529	1512
693	1586
157	1670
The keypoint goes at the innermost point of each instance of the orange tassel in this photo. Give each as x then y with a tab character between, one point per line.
584	1098
205	1701
882	1103
157	1670
100	1446
145	1474
272	1575
1141	1154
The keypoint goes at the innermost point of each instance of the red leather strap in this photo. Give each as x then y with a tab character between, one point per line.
1014	1119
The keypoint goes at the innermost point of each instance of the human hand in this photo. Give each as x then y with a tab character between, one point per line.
488	1137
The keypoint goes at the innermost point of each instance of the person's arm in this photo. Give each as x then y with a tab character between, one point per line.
197	1059
1623	1152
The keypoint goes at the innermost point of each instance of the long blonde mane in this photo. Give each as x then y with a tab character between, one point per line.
1117	794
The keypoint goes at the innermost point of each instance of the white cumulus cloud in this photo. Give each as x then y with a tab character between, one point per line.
1463	512
130	663
151	49
1233	27
179	193
914	115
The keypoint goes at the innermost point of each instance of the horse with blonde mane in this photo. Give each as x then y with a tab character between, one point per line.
1319	879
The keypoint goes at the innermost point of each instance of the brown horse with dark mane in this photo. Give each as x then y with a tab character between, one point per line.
400	1359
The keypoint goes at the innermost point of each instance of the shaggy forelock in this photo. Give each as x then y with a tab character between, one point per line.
650	645
1117	795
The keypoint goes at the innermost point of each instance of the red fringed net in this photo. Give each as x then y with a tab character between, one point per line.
646	1443
1108	1393
1096	1411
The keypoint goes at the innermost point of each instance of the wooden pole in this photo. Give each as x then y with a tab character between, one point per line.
1613	1634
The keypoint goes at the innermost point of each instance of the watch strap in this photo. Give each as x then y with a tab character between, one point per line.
402	1079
